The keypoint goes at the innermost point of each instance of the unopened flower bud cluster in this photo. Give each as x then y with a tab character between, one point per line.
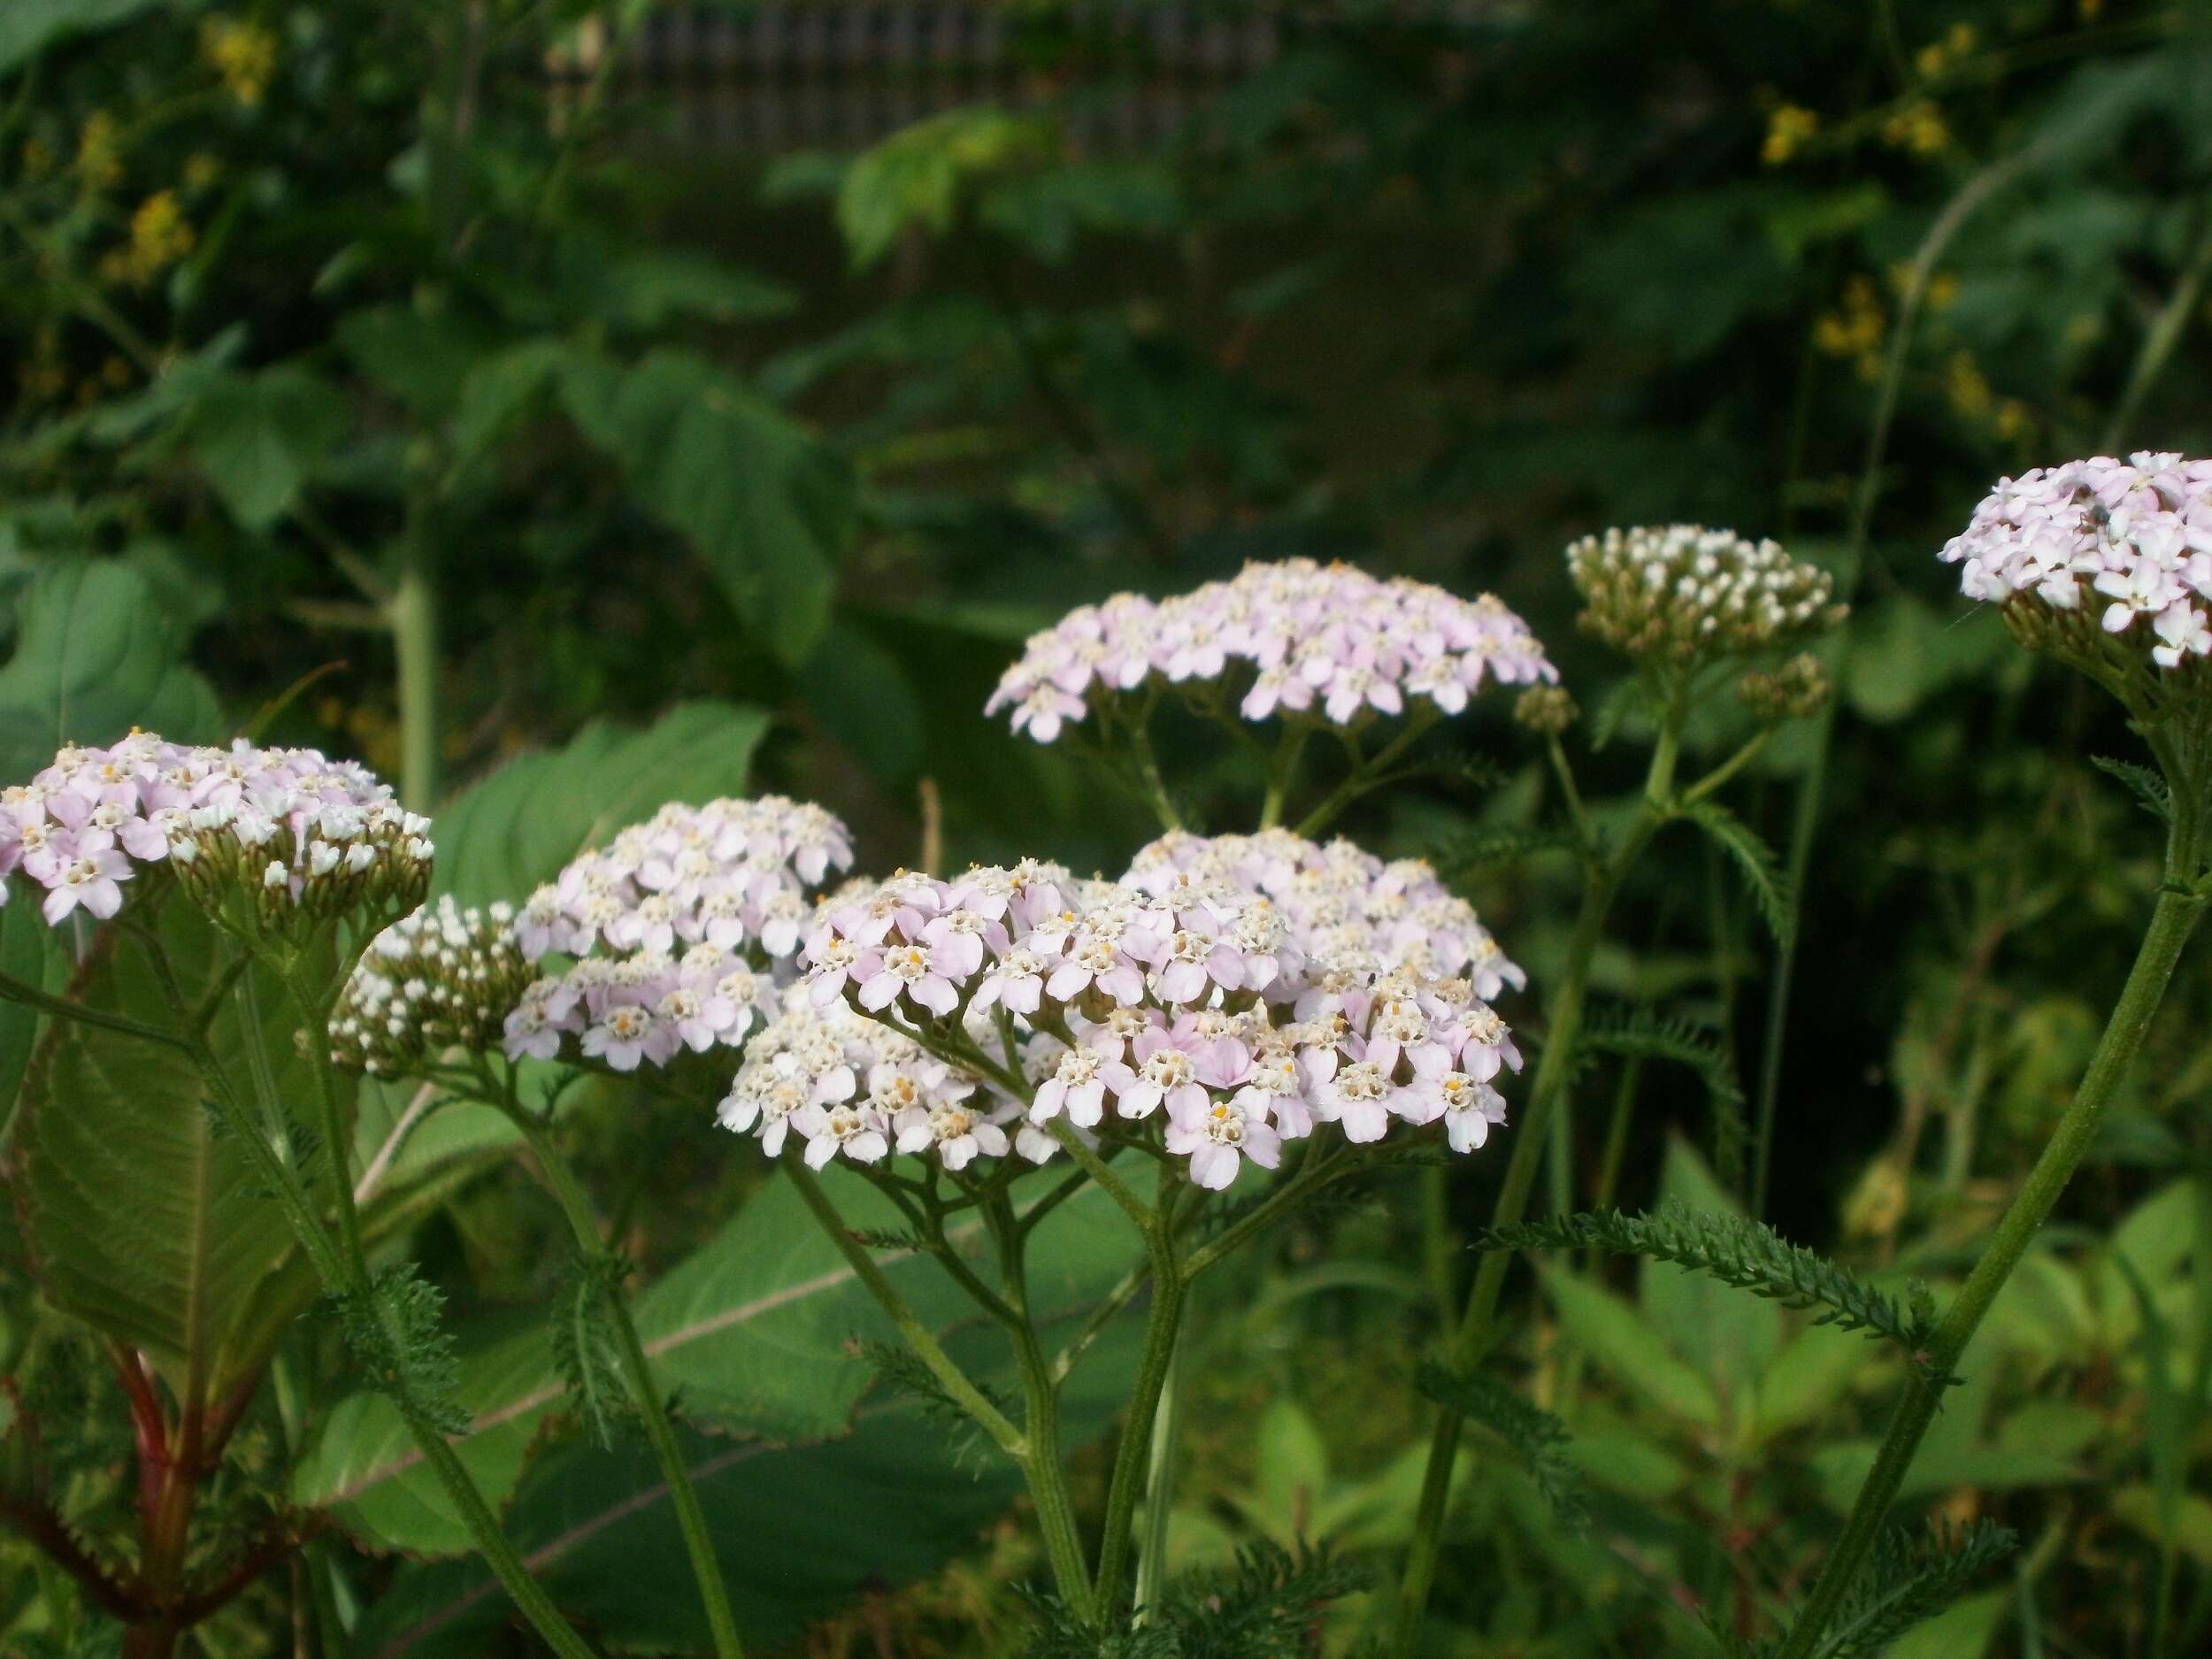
1799	688
1547	711
1328	642
265	838
682	928
1177	992
2130	540
442	978
1681	594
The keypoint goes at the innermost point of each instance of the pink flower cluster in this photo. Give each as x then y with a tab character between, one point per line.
682	928
2137	532
852	1085
1328	642
1179	992
1349	914
302	829
729	873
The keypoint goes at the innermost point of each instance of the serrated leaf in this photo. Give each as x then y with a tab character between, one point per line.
143	1220
770	508
1760	870
2149	788
518	827
259	438
95	656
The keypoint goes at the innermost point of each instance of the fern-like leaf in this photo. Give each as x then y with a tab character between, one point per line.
900	1369
1747	1255
1262	1607
1756	864
1641	1034
2149	786
397	1332
1533	1433
586	1352
1908	1578
1485	848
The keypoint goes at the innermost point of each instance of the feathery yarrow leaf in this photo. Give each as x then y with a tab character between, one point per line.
1756	862
2149	788
1262	1607
586	1352
1744	1254
1533	1433
1910	1576
396	1331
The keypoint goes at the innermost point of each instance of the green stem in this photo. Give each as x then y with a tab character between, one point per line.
1131	1457
354	1278
1553	1070
1369	773
413	612
660	1433
1282	773
13	990
1948	225
1042	1466
2171	923
2160	339
1149	769
1159	1489
956	1382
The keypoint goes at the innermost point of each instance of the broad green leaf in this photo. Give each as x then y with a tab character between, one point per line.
423	360
1728	1334
499	389
28	25
95	656
1962	1630
770	507
864	698
27	957
142	1218
2140	1507
2154	1239
259	437
800	1531
1638	1357
1292	1468
752	1333
1813	1370
913	179
649	287
506	835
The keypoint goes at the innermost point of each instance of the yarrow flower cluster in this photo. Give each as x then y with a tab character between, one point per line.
731	874
852	1085
2136	532
444	977
1349	915
682	928
1326	642
1187	990
1682	596
267	838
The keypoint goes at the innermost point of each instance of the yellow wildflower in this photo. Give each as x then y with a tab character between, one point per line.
245	54
1943	287
1966	386
160	236
201	169
1918	127
99	153
2011	420
1930	60
1787	129
1961	39
1855	328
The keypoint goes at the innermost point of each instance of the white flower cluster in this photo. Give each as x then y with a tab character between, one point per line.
443	977
1684	594
1197	1001
682	928
1328	642
2138	532
852	1085
266	834
1349	914
729	873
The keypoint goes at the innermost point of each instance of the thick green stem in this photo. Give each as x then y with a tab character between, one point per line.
956	1382
1131	1456
1159	1489
1553	1070
413	613
637	1370
1041	1467
352	1277
2171	923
